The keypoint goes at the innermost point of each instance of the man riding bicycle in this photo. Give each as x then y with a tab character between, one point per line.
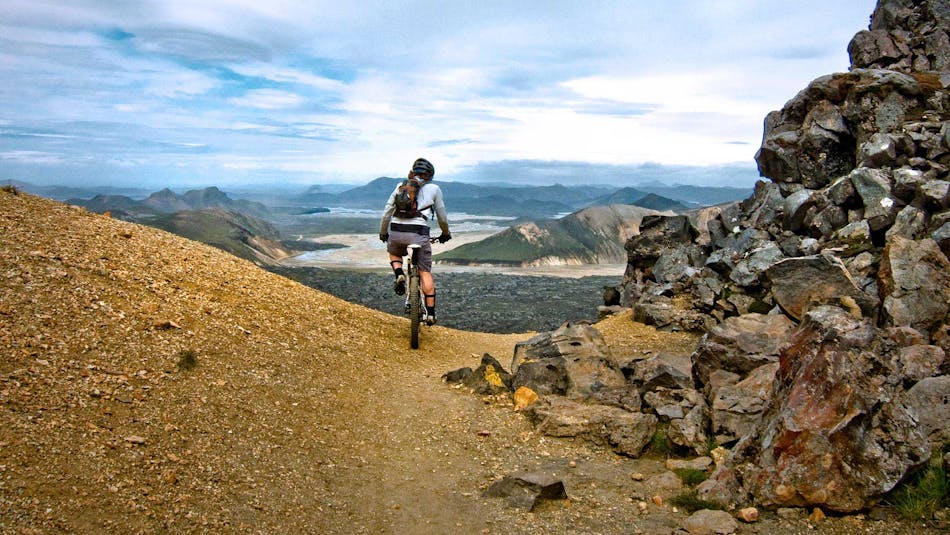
404	226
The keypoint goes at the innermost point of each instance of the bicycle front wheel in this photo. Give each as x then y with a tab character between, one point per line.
415	311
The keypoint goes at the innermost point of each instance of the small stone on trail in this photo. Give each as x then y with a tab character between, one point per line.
526	489
524	397
748	514
816	516
790	513
484	433
164	325
637	476
457	376
699	463
572	464
709	522
718	455
658	500
665	481
134	439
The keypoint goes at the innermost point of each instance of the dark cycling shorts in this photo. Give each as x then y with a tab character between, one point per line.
399	240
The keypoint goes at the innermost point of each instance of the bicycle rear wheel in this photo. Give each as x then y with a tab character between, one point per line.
415	310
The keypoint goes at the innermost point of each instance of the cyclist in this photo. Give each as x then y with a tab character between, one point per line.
400	229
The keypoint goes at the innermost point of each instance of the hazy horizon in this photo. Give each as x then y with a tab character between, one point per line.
508	173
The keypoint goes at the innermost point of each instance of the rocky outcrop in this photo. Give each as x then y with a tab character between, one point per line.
904	36
828	287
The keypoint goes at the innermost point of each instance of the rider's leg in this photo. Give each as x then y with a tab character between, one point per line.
399	286
396	263
428	289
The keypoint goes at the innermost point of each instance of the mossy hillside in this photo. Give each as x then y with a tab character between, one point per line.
224	229
512	247
592	235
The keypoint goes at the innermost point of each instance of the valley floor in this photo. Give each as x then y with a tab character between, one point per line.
365	252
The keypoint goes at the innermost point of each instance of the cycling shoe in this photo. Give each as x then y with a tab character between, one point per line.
400	285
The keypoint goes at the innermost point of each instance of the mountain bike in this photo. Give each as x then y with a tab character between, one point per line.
415	299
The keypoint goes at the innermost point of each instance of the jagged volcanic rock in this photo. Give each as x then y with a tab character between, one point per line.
850	238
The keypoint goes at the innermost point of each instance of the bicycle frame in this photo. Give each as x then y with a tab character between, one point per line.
412	272
415	297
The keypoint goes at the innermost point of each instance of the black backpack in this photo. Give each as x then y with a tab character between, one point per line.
405	200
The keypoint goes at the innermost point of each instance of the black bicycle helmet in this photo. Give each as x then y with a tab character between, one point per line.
423	166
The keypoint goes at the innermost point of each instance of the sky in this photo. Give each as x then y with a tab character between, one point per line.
285	92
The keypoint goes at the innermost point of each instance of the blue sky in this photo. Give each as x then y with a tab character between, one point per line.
188	92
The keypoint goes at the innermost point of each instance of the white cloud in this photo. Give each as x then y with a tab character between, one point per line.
49	37
289	75
268	99
180	83
31	156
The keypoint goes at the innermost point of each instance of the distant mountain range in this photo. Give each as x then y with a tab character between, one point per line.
166	201
594	235
524	202
532	201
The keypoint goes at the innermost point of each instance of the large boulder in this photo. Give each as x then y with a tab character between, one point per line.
832	436
676	264
666	313
803	282
914	278
929	402
737	408
741	344
666	371
573	360
880	206
626	432
571	340
687	415
749	270
920	361
658	234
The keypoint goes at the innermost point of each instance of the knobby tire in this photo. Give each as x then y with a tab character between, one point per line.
415	310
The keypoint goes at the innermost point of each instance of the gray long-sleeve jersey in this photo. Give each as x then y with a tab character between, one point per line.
429	196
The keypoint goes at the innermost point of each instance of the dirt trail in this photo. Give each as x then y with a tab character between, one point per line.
302	414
